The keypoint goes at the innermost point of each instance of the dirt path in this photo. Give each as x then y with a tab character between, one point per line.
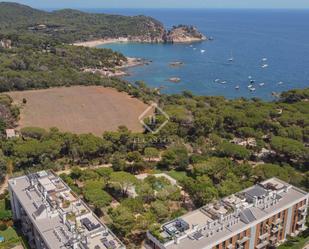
68	171
4	185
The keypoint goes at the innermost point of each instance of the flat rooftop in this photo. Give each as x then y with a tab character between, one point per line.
62	219
223	219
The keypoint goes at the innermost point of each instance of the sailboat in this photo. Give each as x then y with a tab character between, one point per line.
231	58
203	51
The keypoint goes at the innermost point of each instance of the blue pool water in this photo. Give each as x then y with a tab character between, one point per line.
281	36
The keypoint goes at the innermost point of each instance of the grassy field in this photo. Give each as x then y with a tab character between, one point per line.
177	175
9	234
11	238
80	109
5	213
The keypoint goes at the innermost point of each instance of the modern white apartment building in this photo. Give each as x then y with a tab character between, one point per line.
53	217
259	217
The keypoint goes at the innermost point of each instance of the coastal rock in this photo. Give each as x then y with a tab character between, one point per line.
178	34
155	32
183	34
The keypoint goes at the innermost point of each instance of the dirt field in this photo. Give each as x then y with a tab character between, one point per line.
80	109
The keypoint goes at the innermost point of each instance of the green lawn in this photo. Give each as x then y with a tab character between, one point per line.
2	204
177	175
5	214
10	236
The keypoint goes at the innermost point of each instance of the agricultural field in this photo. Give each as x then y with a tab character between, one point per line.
79	109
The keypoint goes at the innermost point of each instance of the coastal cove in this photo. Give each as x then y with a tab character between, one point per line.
246	35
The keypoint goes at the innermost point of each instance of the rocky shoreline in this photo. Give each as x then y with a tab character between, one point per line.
178	34
118	71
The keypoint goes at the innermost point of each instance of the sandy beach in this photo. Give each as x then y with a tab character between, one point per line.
118	71
95	43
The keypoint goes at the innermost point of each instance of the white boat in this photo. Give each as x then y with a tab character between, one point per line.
280	83
231	58
250	86
252	89
237	87
203	51
223	82
250	77
264	59
262	84
264	65
217	80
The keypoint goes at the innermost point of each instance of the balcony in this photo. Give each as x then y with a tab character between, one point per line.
243	240
301	222
303	212
262	245
303	228
230	246
273	239
263	236
302	208
276	229
277	221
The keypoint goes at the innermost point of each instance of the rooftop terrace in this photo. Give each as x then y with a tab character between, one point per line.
62	219
221	220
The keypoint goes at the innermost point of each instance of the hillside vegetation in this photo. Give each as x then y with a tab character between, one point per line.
213	146
195	147
72	25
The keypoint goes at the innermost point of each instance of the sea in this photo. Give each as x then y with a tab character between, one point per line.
254	53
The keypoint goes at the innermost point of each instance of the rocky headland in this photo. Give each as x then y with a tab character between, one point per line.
157	34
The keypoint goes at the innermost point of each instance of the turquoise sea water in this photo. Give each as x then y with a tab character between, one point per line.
248	35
